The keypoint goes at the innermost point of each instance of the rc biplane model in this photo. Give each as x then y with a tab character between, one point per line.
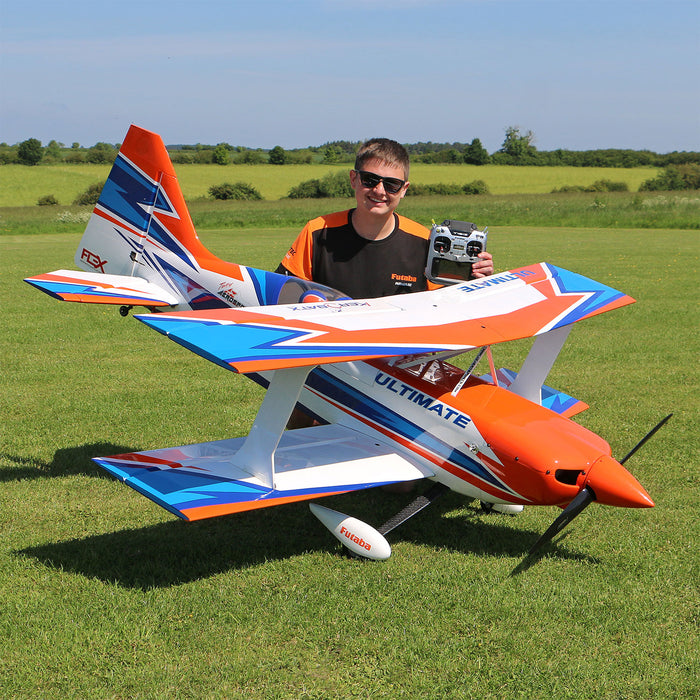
373	373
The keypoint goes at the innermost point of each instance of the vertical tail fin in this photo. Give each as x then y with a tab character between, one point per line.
140	244
140	201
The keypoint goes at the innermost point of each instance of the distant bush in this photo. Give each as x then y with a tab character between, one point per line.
337	185
597	186
75	157
53	152
182	157
90	196
309	189
237	190
101	153
47	200
250	157
419	190
8	154
331	185
607	186
277	156
568	188
674	177
441	188
476	154
476	187
302	155
332	154
221	154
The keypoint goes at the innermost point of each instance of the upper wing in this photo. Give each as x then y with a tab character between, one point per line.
98	288
520	303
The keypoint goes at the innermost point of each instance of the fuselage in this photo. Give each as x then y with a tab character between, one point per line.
486	442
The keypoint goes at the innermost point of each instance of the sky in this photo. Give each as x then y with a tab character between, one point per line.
579	74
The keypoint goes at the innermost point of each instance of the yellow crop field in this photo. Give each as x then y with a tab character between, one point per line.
24	185
514	179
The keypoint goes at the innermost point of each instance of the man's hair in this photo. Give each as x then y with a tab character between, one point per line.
384	150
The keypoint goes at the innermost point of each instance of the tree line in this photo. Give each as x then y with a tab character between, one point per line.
518	148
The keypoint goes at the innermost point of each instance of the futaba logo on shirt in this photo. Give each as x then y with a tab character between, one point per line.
403	280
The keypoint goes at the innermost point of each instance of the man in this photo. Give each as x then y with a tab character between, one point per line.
369	251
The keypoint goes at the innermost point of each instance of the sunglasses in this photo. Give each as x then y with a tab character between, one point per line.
392	185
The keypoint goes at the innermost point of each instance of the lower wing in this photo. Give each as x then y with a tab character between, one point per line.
202	481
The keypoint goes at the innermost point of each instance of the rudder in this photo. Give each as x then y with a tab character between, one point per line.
141	200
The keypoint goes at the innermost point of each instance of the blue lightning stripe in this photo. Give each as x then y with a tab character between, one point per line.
559	402
163	203
127	192
598	296
137	247
253	342
129	195
159	233
197	296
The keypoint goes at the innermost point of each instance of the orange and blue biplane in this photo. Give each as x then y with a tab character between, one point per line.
375	374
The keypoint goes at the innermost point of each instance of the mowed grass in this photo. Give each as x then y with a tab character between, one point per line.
23	185
106	595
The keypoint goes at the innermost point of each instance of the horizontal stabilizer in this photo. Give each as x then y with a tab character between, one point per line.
201	481
96	288
554	400
521	303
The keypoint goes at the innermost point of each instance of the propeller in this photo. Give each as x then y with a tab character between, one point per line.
583	499
616	487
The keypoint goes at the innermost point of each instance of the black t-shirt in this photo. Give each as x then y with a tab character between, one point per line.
329	251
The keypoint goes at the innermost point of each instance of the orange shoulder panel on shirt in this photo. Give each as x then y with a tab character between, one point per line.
413	227
299	257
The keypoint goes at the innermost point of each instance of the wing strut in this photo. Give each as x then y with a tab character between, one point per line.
258	452
538	363
468	373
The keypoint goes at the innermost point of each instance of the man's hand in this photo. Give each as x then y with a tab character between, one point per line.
484	267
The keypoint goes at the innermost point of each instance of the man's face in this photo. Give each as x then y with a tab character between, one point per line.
376	200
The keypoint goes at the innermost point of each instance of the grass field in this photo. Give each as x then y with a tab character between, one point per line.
23	185
106	595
